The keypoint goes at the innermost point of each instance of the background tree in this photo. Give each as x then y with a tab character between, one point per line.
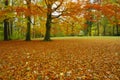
28	33
6	24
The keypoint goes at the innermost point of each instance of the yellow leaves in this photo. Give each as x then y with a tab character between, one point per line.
6	13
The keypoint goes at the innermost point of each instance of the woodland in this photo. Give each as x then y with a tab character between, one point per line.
29	19
59	40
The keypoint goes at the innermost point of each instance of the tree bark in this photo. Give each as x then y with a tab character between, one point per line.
104	32
48	23
98	30
28	34
113	30
117	30
9	30
48	27
90	28
6	25
6	30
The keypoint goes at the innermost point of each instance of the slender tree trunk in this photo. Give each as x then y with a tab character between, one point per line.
113	30
98	30
117	29
11	26
9	30
104	32
90	31
6	25
90	28
6	30
72	29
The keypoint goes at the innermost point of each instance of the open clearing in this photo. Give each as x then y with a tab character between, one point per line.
61	59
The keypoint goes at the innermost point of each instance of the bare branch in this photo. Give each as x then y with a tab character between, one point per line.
58	5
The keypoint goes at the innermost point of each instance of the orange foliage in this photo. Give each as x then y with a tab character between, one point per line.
68	59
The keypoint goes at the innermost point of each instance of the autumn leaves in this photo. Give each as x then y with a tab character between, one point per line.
71	59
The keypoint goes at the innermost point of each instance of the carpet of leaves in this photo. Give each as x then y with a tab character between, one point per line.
71	59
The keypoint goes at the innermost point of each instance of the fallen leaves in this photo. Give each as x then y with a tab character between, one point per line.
71	59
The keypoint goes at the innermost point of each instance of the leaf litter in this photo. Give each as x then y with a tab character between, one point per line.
71	59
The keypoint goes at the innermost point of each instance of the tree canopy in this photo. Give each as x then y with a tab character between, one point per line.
47	15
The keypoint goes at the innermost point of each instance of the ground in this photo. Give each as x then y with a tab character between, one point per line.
61	59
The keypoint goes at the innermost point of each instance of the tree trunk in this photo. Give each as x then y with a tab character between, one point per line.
90	28
6	30
28	34
90	31
98	30
9	30
72	29
117	29
48	27
104	32
113	30
6	25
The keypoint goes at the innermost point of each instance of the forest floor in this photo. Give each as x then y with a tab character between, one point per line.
61	59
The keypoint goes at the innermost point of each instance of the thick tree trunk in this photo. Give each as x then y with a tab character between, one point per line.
28	34
48	27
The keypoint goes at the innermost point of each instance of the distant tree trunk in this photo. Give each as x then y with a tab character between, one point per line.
6	25
6	2
48	24
11	22
90	28
11	26
72	29
9	30
104	30
113	30
117	29
98	30
90	31
6	30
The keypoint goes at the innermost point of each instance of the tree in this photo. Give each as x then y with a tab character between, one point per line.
6	24
56	9
28	33
49	4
